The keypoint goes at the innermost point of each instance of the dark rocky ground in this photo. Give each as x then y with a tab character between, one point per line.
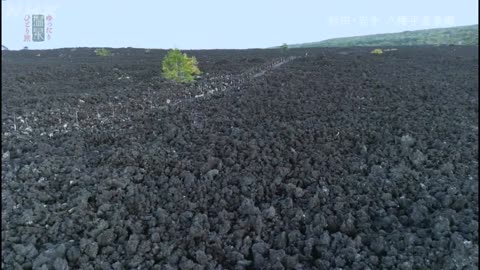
337	160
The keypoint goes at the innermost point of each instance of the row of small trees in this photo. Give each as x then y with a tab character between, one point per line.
177	66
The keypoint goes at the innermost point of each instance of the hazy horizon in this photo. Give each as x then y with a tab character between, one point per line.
217	24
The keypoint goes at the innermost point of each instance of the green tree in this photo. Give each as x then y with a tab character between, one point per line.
284	48
177	66
103	52
377	51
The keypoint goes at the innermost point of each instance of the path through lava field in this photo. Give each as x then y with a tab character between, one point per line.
321	159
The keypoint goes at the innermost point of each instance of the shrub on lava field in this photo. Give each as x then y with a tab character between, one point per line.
284	48
177	66
103	52
377	51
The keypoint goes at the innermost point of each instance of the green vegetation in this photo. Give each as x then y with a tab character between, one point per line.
103	52
462	35
284	48
177	66
377	51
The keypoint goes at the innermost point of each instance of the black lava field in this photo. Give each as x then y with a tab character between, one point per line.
318	159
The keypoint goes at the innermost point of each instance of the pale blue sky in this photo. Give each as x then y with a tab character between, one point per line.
209	24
